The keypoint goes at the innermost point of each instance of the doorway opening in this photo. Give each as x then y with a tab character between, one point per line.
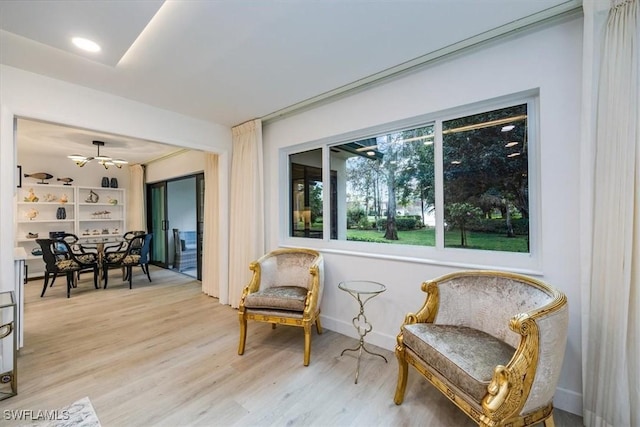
175	216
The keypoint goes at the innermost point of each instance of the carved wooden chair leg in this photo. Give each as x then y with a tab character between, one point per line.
46	280
69	283
243	333
403	371
105	275
318	325
95	276
145	268
307	343
549	422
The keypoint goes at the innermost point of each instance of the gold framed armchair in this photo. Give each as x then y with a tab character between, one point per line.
286	288
492	342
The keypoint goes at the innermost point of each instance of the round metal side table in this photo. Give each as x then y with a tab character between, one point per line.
362	291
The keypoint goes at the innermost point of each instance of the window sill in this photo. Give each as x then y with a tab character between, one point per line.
485	260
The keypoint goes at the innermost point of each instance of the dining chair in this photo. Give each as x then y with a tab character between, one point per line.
65	261
128	254
79	250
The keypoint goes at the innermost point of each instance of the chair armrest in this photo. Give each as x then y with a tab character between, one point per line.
254	284
429	309
514	386
118	247
510	385
315	289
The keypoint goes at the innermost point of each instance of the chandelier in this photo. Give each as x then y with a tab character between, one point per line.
105	161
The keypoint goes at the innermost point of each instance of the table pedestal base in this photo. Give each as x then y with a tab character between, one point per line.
359	349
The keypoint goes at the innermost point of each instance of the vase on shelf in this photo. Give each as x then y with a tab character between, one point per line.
61	213
105	181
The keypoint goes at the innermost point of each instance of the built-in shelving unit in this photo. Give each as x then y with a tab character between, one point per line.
94	214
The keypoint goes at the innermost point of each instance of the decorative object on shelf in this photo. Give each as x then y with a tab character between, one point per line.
36	251
113	201
31	197
114	183
115	231
105	182
93	197
105	231
64	199
86	232
95	232
39	175
101	215
32	213
31	235
67	181
50	197
105	161
19	167
61	213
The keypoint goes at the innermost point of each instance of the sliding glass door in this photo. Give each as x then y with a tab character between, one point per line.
176	216
157	223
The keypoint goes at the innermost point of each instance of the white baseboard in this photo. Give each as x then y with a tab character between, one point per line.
564	399
568	400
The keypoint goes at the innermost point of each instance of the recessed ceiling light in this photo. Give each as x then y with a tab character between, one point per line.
511	144
371	153
513	155
507	128
86	44
456	162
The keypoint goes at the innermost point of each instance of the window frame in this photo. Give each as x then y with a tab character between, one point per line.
528	263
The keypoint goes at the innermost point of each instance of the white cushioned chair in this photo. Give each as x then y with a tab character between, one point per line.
492	342
286	288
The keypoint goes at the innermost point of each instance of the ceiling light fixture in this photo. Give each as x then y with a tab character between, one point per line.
105	161
86	44
511	144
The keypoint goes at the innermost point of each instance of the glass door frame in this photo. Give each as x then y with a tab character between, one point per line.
158	238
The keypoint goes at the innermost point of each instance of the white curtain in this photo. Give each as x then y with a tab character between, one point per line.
136	215
611	298
211	232
246	222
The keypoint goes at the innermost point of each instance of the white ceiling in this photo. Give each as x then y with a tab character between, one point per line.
229	61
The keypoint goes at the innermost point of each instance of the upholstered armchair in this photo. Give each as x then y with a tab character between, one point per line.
492	342
286	288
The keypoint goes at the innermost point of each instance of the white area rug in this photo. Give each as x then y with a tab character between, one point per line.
78	414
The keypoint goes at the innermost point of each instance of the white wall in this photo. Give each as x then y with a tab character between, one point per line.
183	164
90	175
28	95
548	59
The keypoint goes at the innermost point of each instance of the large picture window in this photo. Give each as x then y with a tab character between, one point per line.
459	181
486	180
386	194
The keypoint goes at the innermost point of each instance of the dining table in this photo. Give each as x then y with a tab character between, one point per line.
98	245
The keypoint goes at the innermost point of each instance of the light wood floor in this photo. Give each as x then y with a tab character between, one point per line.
164	354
